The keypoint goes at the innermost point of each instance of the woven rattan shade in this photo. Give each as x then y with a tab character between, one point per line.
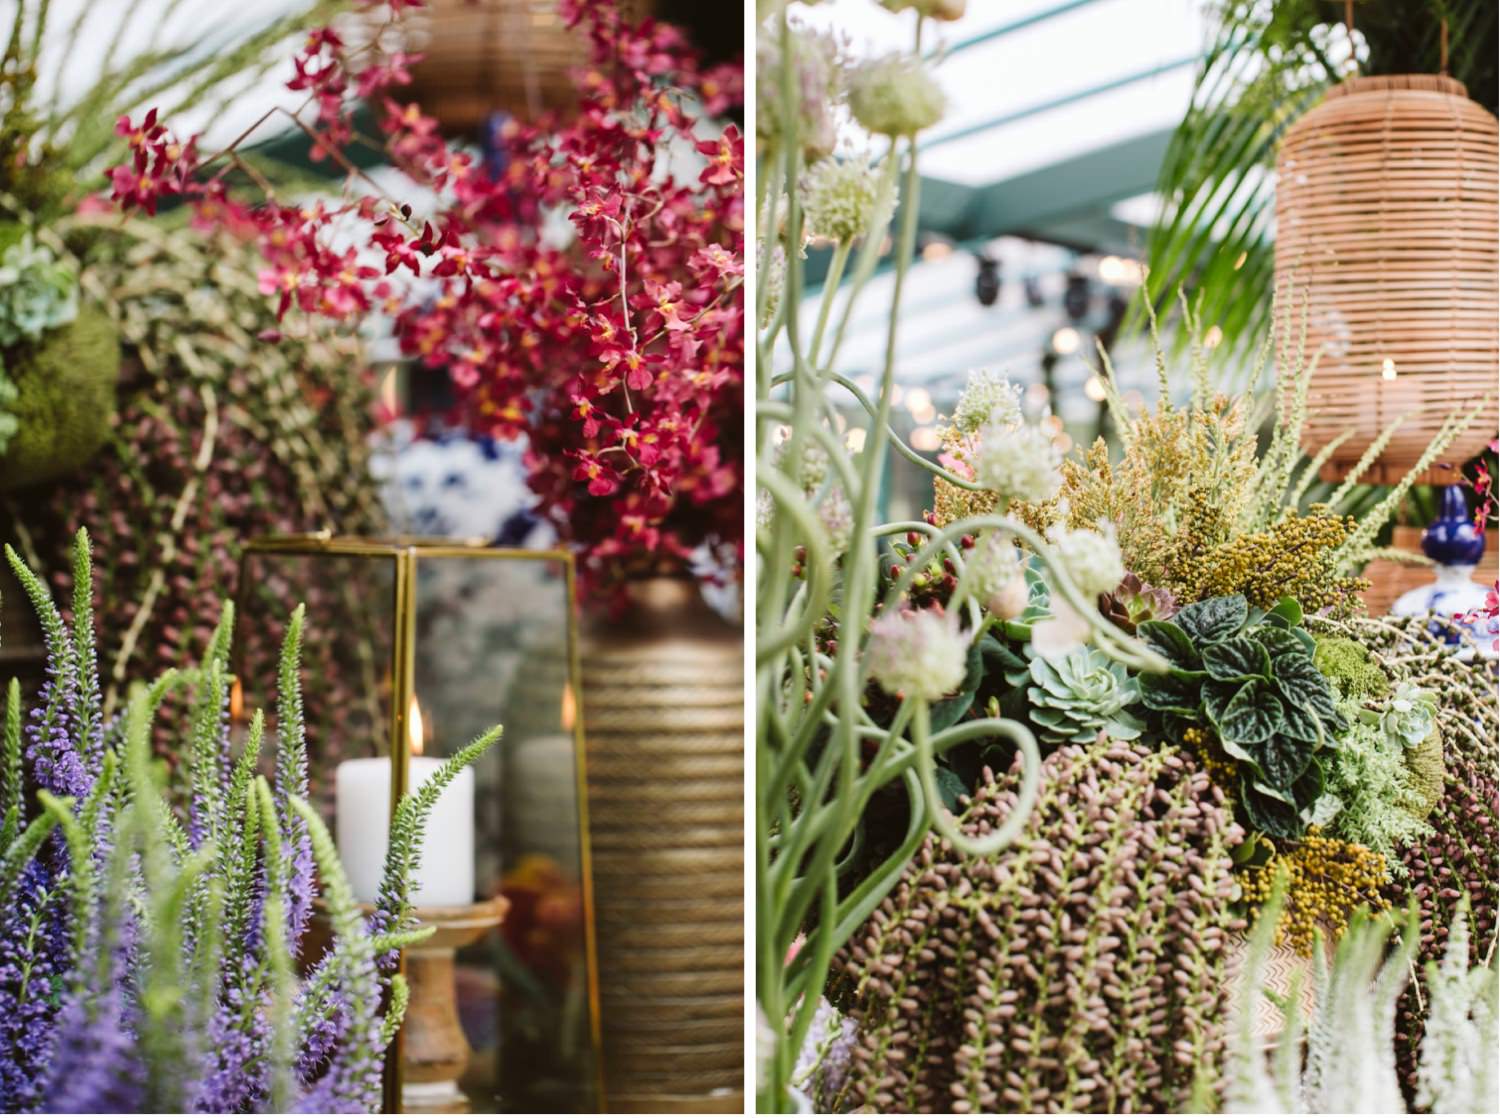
484	56
1386	217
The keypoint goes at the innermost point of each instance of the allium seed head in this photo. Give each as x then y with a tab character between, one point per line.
839	198
917	653
1091	558
895	96
1020	464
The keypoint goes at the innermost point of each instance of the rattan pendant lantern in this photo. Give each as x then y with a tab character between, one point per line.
480	57
1386	219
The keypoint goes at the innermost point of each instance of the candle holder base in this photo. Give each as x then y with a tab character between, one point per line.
435	1052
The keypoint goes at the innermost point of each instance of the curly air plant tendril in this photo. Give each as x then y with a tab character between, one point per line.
821	756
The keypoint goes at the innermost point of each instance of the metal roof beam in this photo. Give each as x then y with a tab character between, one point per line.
1015	25
1066	99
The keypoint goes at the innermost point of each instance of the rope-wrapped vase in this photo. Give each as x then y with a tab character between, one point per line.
1386	218
663	715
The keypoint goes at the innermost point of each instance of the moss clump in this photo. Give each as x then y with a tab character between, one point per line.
1348	666
65	399
1424	763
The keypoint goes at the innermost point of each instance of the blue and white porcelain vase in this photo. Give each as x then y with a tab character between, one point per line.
1455	545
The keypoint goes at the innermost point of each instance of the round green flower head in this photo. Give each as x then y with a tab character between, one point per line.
1078	696
988	400
895	96
839	198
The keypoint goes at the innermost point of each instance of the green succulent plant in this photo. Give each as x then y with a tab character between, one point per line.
1081	694
38	292
1410	715
1249	675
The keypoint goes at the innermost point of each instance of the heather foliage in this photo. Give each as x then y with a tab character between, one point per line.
1342	1059
148	946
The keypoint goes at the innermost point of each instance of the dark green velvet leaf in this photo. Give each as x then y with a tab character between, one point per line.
1237	658
1216	698
1212	620
1300	682
1253	715
1310	784
1281	759
1278	642
1300	724
1168	693
1170	641
1269	816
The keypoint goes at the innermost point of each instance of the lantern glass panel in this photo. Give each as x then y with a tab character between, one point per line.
493	645
410	652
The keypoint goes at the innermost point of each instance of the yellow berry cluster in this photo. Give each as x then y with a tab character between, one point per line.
1205	746
1293	557
1326	880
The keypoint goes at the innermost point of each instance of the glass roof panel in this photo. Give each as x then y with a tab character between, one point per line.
1075	75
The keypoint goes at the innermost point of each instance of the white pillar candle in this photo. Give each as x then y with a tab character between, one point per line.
445	873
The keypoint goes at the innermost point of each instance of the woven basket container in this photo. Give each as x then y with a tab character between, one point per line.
1386	217
484	56
663	716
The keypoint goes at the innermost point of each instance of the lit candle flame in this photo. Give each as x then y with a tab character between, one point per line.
569	708
415	734
236	700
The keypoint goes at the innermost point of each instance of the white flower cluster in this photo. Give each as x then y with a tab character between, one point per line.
1020	464
838	197
988	400
895	96
993	564
1090	558
917	654
775	281
819	80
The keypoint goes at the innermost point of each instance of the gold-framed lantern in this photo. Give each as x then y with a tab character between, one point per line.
1386	202
442	641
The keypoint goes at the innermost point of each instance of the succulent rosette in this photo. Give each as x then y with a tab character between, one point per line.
1081	695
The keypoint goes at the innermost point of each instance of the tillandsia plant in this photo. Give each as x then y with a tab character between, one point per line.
860	674
615	347
149	949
